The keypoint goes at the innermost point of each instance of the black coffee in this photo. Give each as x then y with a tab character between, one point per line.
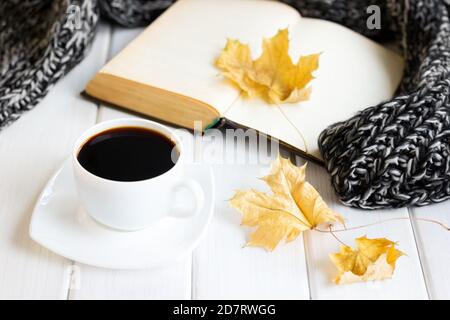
128	154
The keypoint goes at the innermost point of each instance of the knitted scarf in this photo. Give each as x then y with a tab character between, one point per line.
389	155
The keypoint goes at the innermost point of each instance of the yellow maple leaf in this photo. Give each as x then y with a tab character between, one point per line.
293	207
273	76
373	259
236	64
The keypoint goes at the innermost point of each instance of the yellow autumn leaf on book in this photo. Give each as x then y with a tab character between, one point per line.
373	259
293	206
273	76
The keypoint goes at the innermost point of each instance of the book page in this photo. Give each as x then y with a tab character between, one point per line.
177	52
354	73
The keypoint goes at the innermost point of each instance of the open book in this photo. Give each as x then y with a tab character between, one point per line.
168	71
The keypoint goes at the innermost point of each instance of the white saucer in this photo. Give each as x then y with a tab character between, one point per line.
60	224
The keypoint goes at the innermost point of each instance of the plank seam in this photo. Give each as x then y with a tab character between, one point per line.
74	263
193	293
307	265
71	280
419	252
296	160
193	253
108	53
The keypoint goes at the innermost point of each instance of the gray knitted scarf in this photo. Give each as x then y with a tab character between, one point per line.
390	155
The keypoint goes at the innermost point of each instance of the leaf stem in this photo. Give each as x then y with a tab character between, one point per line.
335	236
293	126
384	221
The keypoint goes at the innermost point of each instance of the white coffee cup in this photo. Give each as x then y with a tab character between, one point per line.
135	205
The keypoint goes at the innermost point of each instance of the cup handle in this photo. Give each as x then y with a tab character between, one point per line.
196	191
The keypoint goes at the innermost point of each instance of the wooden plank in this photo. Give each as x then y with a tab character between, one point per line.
434	247
408	281
223	267
31	150
171	282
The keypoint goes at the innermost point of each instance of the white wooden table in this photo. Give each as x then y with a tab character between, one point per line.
35	146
